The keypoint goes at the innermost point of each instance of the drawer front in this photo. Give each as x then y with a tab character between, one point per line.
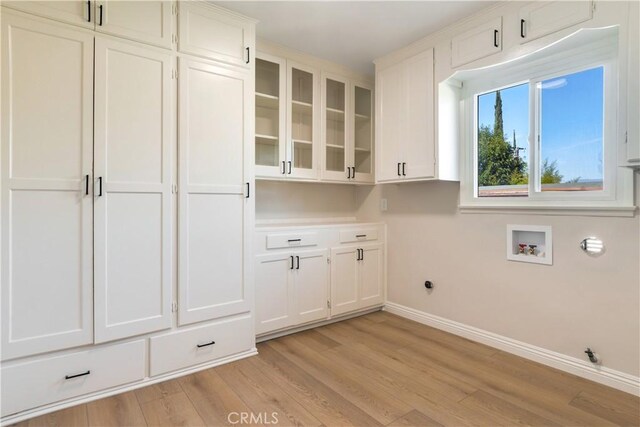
291	240
32	384
191	347
360	235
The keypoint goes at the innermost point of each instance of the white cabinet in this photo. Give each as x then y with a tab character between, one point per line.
538	19
357	277
336	98
214	209
405	140
633	88
347	130
76	12
297	285
360	150
291	289
287	115
26	385
144	21
481	41
214	33
134	106
47	206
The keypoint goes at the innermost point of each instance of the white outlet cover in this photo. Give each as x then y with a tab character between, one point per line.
383	205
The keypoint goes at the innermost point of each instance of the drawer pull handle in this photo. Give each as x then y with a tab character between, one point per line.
68	377
294	240
361	235
205	345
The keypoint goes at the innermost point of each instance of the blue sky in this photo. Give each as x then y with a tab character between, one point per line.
572	121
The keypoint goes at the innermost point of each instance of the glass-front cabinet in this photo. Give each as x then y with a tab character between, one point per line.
336	165
270	140
347	132
311	125
362	128
301	115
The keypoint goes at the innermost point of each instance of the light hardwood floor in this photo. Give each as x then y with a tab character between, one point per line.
373	370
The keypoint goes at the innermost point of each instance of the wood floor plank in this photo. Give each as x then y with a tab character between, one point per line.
119	410
375	370
172	410
323	402
607	408
158	391
263	396
317	341
212	397
76	416
509	413
361	392
376	349
415	419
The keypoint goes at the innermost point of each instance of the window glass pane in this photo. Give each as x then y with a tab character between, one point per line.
571	123
503	131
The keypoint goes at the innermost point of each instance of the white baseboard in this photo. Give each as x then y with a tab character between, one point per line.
42	410
609	377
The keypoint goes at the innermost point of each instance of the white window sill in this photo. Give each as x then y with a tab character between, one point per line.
612	211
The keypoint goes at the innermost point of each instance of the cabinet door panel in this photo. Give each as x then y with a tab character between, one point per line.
390	108
311	282
76	12
542	18
47	248
362	133
208	31
418	145
371	276
303	118
483	40
133	118
633	89
274	292
344	280
335	129
213	211
144	21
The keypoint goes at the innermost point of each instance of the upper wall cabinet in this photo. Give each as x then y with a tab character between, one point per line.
481	41
214	33
405	143
286	135
144	21
538	19
632	136
347	130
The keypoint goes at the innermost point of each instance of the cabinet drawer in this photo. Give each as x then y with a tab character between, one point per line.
291	240
199	345
362	235
32	384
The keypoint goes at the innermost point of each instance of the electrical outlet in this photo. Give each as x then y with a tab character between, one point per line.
383	205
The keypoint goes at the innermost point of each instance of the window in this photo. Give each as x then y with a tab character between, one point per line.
541	131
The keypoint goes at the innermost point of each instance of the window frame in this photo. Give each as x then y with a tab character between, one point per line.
617	190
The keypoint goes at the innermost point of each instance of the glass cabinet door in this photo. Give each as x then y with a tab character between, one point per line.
335	121
269	141
301	116
363	133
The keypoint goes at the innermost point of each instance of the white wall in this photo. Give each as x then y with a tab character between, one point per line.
577	302
279	200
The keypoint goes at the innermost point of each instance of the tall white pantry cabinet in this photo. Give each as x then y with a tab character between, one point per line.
127	196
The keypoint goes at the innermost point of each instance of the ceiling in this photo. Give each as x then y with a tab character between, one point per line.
351	33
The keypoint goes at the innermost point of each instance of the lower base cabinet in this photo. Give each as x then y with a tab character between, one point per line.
291	288
357	277
305	275
32	384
